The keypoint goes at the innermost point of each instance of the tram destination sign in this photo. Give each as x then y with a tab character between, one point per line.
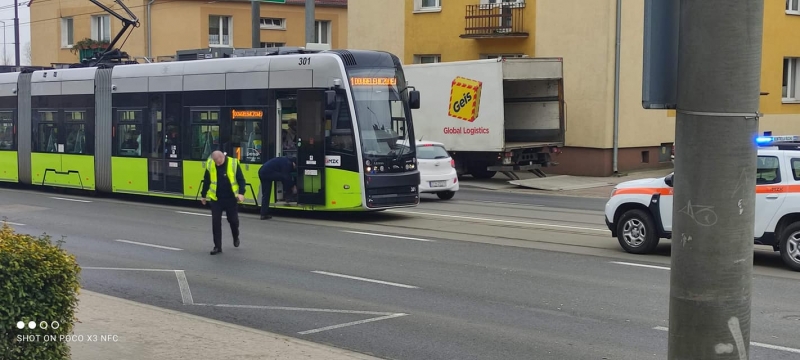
246	114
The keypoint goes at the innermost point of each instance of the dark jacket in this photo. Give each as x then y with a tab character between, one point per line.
278	165
223	183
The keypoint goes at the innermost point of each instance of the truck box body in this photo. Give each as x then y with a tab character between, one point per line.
496	114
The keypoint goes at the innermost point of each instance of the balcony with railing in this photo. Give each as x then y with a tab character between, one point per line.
502	20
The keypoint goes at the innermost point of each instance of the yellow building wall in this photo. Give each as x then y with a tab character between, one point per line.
177	25
366	30
431	33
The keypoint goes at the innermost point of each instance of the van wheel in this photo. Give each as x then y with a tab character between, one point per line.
446	195
790	246
636	232
480	172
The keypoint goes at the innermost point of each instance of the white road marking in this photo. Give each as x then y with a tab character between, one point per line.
389	236
150	245
365	279
287	308
65	199
640	265
504	203
13	223
500	221
350	324
753	343
125	269
197	214
186	294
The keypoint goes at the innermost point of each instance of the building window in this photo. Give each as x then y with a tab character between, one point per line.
793	7
790	79
322	32
272	44
67	32
219	30
427	59
273	23
101	27
430	4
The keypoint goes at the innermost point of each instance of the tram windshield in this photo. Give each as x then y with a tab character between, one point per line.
381	111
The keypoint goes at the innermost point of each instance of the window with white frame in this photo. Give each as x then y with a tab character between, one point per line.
793	6
791	82
67	32
427	59
101	27
322	32
272	44
273	23
427	5
219	30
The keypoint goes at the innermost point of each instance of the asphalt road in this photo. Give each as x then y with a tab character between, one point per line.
469	278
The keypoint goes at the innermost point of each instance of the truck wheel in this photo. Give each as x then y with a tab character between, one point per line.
446	195
636	232
790	246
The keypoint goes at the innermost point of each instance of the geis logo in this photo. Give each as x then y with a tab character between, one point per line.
465	99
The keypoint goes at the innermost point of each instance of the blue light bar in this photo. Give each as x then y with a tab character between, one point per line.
767	140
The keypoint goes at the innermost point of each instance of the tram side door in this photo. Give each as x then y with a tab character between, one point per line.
165	163
311	104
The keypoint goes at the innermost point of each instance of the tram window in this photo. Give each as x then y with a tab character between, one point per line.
247	140
341	138
398	119
129	133
6	130
75	127
6	136
46	134
204	135
205	139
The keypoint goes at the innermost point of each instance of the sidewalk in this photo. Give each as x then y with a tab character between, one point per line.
150	333
591	186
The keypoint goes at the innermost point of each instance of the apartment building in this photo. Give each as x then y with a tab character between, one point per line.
583	33
60	29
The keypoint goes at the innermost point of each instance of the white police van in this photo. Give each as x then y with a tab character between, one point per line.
639	212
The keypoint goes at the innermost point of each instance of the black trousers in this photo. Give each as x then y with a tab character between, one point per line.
267	178
230	207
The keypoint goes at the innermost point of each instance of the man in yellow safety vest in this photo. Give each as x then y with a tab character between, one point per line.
224	186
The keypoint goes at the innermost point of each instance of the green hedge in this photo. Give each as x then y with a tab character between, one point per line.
39	281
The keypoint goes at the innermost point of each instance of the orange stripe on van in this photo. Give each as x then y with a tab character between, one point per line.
760	189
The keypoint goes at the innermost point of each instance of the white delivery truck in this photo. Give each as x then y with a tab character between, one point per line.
505	114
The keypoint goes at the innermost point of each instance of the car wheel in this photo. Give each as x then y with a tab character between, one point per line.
446	195
790	246
636	232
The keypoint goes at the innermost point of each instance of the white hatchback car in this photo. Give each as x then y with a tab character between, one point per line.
437	170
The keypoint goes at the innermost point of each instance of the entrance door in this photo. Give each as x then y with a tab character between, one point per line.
311	147
165	160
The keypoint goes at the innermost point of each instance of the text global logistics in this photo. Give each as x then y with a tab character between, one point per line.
466	131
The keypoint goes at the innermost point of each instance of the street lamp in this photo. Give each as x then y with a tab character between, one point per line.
4	42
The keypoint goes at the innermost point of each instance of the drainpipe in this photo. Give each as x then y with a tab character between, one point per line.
616	87
149	31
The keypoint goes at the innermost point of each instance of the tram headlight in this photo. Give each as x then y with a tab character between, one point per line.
369	169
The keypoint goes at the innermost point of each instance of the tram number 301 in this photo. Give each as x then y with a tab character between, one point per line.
305	61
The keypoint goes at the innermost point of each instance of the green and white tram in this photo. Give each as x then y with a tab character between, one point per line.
148	128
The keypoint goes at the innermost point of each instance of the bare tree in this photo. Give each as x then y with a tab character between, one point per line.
28	54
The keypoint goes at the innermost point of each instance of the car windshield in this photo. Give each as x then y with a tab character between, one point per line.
431	152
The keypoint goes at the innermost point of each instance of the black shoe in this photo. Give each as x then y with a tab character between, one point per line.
216	251
236	242
266	217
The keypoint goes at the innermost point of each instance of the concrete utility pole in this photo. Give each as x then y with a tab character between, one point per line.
719	74
310	21
16	32
255	13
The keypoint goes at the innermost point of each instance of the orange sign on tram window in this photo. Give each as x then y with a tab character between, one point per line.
246	114
367	81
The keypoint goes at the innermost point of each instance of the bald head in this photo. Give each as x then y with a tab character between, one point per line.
218	157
